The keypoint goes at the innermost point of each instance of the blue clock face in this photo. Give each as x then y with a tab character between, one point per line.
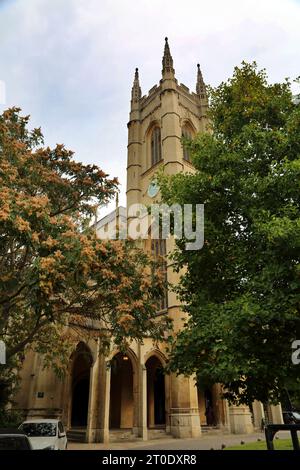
153	189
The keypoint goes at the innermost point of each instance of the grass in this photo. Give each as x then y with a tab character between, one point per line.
279	444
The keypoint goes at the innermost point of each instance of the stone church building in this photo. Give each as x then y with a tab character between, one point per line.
128	395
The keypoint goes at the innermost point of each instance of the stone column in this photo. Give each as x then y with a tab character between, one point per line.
258	414
93	424
184	413
143	430
135	428
104	430
66	401
240	419
226	425
276	414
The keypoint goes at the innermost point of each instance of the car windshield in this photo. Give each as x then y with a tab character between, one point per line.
39	429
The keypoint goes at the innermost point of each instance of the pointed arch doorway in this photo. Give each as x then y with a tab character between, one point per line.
121	415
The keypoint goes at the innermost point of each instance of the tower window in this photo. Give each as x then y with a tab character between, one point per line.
155	146
187	135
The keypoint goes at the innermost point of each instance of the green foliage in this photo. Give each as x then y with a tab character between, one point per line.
10	418
242	290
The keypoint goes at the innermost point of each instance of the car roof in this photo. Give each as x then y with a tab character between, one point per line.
36	420
11	432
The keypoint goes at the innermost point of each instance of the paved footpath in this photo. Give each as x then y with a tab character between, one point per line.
205	442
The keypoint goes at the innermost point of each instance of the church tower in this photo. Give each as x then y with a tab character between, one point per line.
158	121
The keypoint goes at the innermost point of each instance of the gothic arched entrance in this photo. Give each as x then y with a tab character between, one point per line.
156	408
121	393
80	385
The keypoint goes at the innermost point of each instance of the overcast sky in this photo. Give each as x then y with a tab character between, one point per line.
70	63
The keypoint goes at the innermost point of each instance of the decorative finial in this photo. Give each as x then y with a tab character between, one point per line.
200	85
167	62
136	91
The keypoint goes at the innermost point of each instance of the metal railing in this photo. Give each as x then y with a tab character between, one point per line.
272	429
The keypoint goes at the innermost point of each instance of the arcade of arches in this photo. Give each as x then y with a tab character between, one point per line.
122	397
131	392
122	385
129	395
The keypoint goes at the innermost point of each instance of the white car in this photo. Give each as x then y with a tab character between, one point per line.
45	434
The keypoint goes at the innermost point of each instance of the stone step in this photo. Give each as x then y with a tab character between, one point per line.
159	433
120	435
213	429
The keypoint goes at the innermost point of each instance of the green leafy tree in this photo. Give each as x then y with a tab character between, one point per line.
242	289
57	280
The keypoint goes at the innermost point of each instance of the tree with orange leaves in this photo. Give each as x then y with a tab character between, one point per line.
55	275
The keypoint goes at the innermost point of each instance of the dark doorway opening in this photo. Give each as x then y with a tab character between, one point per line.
156	399
159	397
209	408
80	386
80	403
